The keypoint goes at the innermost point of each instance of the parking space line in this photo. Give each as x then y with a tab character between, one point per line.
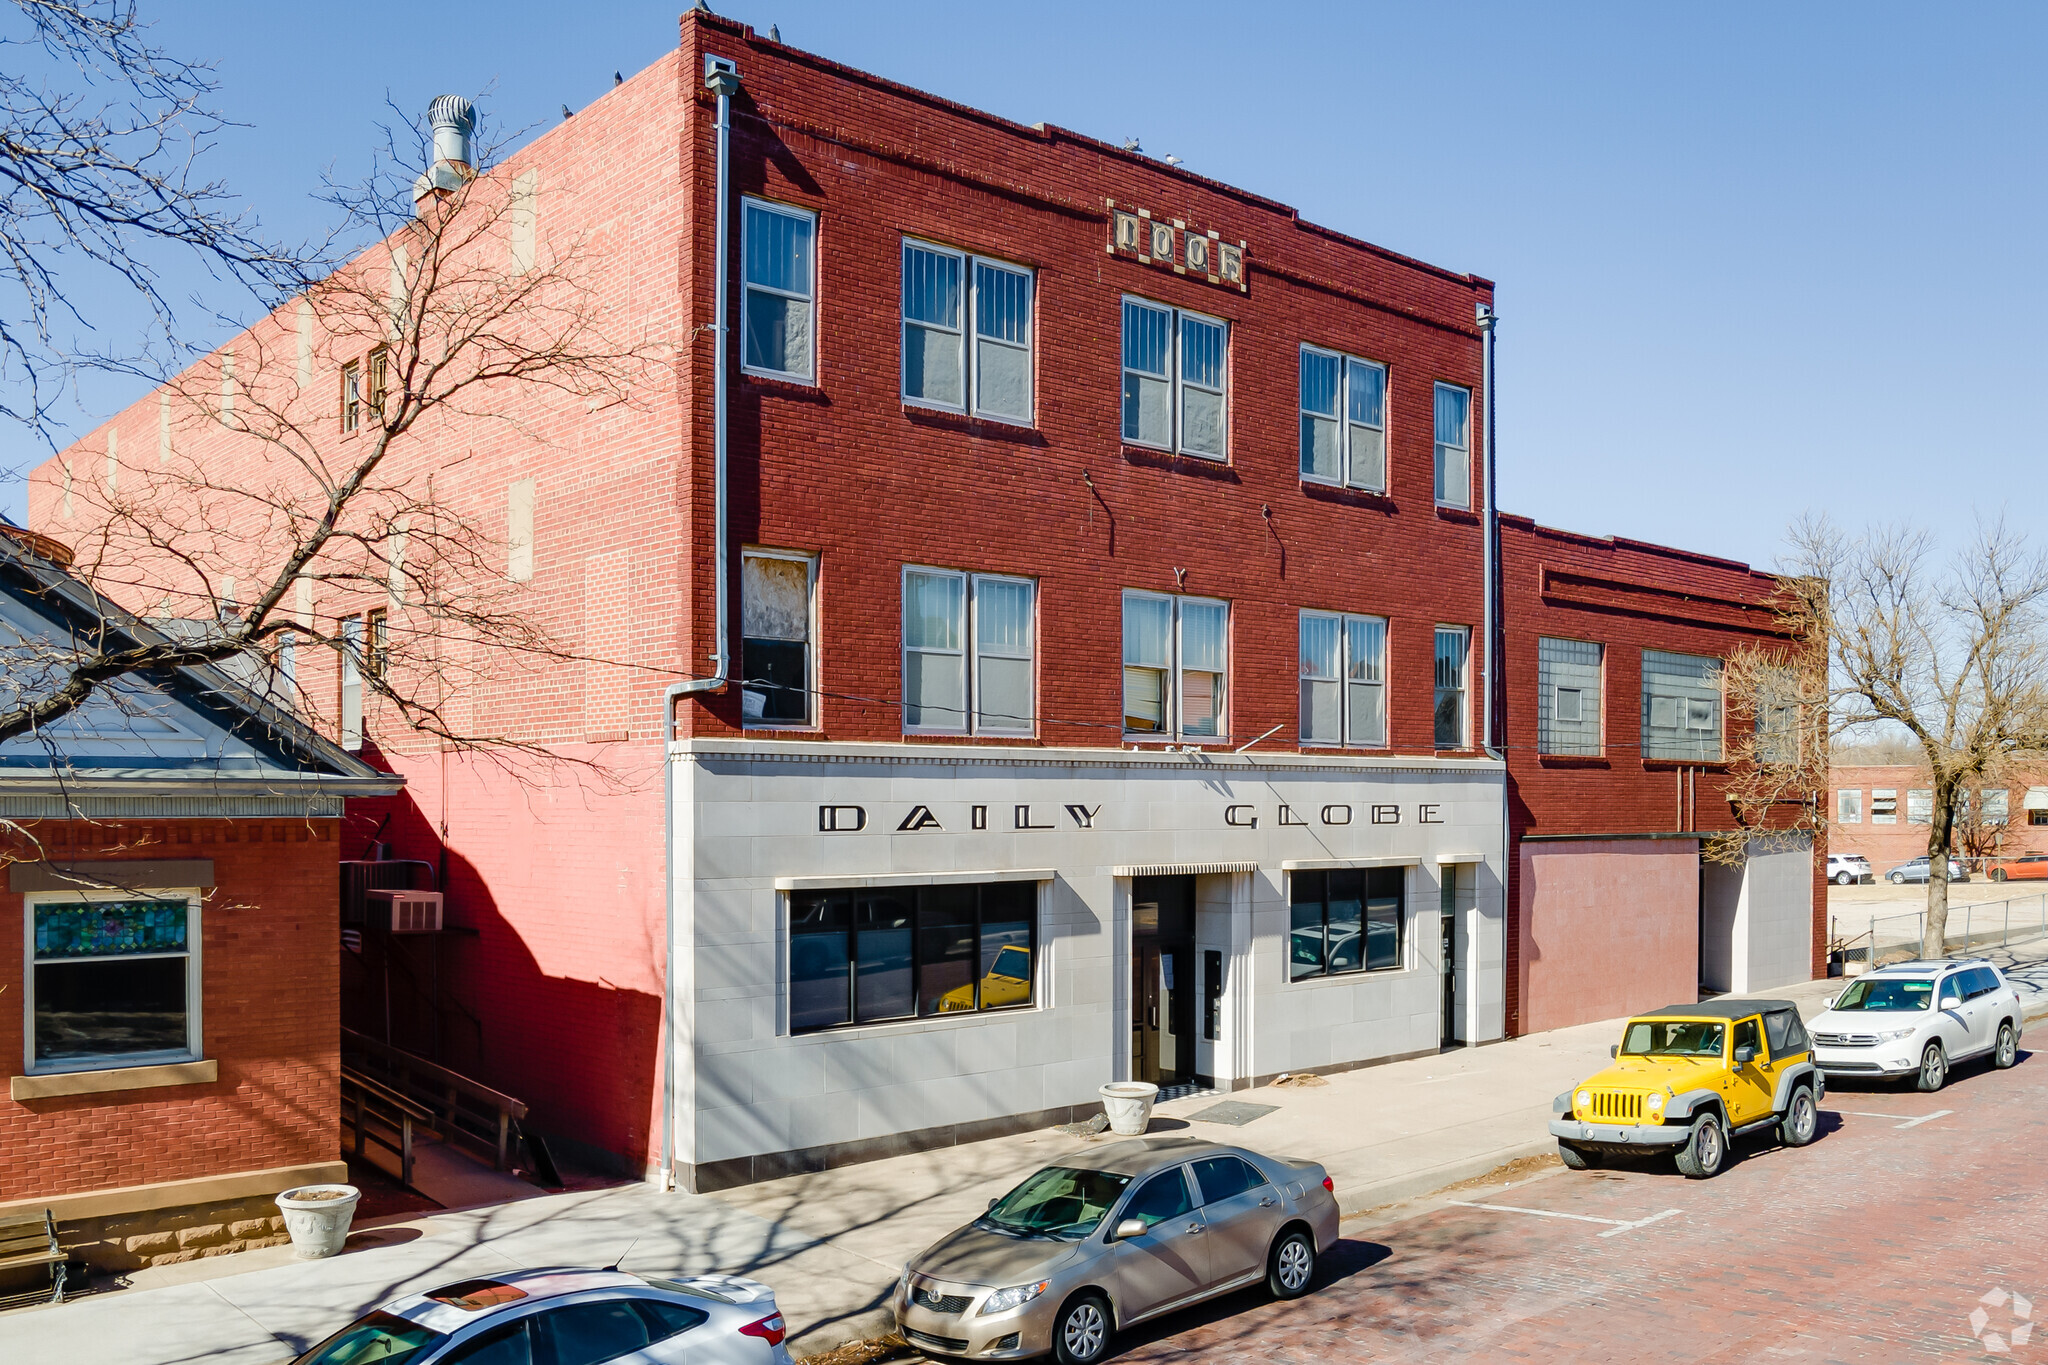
1613	1225
1640	1223
1909	1123
1926	1118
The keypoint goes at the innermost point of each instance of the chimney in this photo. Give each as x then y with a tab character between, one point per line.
454	122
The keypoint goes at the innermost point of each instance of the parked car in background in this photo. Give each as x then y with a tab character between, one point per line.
1848	869
1116	1235
1918	871
1917	1019
568	1317
2031	867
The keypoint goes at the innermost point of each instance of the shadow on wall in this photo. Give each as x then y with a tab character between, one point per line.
583	1055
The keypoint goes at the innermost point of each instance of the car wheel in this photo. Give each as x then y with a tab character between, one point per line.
1802	1120
1933	1068
1577	1158
1705	1149
2006	1051
1081	1336
1843	879
1291	1264
1898	879
1997	874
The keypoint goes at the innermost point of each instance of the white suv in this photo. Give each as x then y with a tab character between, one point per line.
1916	1019
1849	869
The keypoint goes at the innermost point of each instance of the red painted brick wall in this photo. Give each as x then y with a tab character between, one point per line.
268	932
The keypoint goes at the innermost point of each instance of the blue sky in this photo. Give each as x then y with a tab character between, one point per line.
1751	259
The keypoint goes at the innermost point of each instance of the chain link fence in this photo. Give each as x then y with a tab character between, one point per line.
1868	941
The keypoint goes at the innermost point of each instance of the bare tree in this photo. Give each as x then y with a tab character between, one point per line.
1951	656
301	461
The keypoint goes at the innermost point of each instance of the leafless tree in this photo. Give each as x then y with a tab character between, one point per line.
101	138
302	460
1950	655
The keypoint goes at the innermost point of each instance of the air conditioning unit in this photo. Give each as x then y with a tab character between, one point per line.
405	912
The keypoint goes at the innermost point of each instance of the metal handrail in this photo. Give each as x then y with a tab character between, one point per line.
461	1107
371	1099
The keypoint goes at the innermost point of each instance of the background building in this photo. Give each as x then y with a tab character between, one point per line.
1882	811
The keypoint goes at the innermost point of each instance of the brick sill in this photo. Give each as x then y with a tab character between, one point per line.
112	1079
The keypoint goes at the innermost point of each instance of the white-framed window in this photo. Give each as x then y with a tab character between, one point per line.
1453	669
1343	679
1343	420
966	333
113	979
1176	664
1849	806
1884	806
967	652
1453	446
1569	674
1681	707
777	623
351	673
1920	806
1996	806
778	305
1176	367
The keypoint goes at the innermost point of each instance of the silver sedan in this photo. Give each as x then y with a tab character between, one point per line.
1110	1238
568	1317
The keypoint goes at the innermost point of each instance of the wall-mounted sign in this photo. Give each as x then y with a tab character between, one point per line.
916	819
1135	233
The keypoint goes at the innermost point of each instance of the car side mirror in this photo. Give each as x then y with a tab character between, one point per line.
1129	1228
1829	1003
1744	1055
993	1202
1949	1002
1613	1050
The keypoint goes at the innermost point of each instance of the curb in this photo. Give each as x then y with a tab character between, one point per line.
1380	1193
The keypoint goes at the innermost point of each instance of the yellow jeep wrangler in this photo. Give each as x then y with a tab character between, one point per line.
1687	1078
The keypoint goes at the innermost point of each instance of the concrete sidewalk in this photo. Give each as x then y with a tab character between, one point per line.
833	1243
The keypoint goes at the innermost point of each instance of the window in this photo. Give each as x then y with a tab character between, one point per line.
1748	1035
1919	807
778	303
1849	807
1175	652
351	682
1568	680
2037	817
1343	679
587	1333
1996	807
1344	920
1452	648
1162	1197
1681	707
377	657
286	688
1453	446
379	382
1174	379
1225	1177
1343	420
967	653
351	396
988	373
114	981
775	638
1777	717
507	1345
861	957
1884	806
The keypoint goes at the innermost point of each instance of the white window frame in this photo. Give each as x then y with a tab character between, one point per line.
1464	688
968	336
1347	622
810	563
1889	795
1171	729
1849	805
1439	445
195	1032
971	653
1176	384
807	375
1346	475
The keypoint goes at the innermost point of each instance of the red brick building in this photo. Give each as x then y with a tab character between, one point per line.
1882	812
1107	636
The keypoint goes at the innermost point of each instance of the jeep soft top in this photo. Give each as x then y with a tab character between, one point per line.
1720	1009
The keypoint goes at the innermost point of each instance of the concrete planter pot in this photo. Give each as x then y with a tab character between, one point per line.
1128	1105
317	1217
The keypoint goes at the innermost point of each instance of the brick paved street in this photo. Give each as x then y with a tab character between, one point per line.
1874	1244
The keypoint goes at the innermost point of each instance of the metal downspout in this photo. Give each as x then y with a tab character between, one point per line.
1494	745
721	77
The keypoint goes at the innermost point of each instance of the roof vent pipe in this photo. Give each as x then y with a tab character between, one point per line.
453	119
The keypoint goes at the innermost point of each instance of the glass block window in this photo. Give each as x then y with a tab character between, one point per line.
1344	920
864	956
778	304
113	983
1568	682
1681	707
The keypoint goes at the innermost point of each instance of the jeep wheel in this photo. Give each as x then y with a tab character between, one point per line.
1802	1119
1577	1158
1933	1072
1706	1147
2006	1051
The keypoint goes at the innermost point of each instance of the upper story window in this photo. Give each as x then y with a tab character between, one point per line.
1175	665
1175	366
1343	679
1453	446
1568	674
775	637
351	674
351	396
967	652
1884	806
1453	651
779	304
1849	806
1776	715
1681	707
1343	420
984	369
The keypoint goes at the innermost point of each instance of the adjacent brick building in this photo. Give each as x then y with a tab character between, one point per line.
1882	811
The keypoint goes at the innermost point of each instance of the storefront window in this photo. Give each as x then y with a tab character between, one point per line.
864	956
1344	920
113	982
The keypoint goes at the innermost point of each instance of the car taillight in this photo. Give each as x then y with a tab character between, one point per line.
769	1329
1329	1184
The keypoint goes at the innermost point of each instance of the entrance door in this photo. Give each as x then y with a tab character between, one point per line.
1163	984
1449	956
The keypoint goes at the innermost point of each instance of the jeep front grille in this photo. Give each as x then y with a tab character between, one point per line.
1617	1106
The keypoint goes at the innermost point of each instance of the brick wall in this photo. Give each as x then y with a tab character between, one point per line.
1900	840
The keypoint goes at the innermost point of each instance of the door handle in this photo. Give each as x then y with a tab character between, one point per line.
1195	1227
1267	1203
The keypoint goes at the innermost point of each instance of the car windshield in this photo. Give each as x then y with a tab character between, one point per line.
1673	1038
1892	994
1059	1201
376	1339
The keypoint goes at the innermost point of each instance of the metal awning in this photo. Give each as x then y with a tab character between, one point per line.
1178	869
2037	799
